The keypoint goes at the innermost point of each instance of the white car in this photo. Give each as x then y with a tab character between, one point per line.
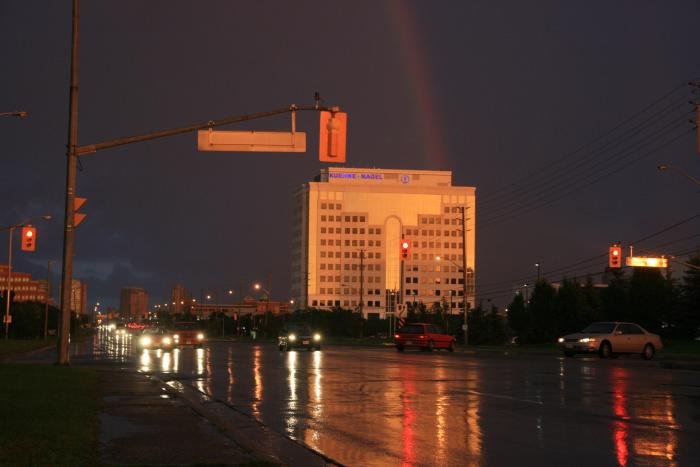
612	338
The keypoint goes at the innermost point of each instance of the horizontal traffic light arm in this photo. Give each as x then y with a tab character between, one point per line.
92	148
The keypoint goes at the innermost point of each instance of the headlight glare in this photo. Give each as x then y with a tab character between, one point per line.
317	337
586	340
200	336
145	341
561	339
292	337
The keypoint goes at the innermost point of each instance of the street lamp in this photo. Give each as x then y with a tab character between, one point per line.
11	229
537	265
14	113
663	168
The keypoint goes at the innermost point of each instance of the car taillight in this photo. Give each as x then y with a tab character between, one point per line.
396	336
421	336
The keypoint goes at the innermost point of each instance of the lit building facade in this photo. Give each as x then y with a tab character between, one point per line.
24	288
133	303
348	228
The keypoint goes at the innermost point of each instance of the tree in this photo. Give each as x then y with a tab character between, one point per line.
544	326
688	321
519	318
647	298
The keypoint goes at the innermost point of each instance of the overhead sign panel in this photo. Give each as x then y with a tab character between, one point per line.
251	141
642	262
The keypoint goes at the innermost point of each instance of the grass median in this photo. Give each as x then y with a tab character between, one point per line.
49	415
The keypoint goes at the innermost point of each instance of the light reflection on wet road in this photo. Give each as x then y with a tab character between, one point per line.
374	406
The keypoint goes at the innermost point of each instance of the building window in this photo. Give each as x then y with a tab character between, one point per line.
323	230
323	218
337	206
323	206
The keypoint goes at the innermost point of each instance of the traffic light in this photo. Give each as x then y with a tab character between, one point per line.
332	136
405	246
615	257
28	238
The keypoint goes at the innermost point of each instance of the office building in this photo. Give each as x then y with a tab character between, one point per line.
349	225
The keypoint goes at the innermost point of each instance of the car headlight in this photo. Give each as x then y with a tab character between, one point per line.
166	341
560	340
145	341
292	337
200	336
317	337
586	340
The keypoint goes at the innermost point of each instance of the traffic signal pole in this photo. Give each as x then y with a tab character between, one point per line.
74	151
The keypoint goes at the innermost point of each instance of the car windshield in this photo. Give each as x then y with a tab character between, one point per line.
411	329
599	328
186	326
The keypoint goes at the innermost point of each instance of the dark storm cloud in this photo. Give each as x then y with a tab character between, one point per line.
511	88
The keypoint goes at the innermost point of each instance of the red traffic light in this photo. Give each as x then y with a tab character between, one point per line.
405	246
28	238
615	256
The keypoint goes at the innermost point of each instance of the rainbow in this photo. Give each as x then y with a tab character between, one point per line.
403	23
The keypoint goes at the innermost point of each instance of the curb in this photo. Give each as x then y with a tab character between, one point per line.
250	434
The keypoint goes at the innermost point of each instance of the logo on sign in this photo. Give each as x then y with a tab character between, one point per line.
405	179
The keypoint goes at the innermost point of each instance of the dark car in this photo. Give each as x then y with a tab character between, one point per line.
295	336
608	339
188	333
423	336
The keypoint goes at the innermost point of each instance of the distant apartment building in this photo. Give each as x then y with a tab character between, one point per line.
24	287
348	227
133	303
180	299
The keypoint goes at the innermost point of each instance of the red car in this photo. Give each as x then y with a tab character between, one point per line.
185	333
423	336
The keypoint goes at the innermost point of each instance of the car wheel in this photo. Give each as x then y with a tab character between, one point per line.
569	353
605	350
451	347
281	347
648	352
318	347
431	346
399	348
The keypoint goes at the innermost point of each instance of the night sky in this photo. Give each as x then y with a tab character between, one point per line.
557	112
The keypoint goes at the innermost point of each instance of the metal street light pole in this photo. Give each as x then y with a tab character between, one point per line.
11	230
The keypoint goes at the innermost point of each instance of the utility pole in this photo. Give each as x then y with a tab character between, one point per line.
464	278
48	297
71	173
362	268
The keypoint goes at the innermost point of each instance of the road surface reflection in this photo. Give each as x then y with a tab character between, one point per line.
376	407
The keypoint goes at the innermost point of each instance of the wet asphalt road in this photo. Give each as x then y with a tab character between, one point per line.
373	406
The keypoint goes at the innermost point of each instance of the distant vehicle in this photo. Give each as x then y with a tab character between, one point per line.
611	338
423	336
155	338
188	333
295	336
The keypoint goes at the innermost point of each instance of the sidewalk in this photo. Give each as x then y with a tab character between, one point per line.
147	421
